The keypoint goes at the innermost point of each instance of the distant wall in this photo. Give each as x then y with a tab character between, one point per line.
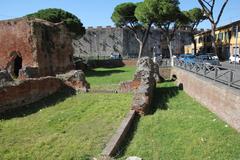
221	100
102	41
99	41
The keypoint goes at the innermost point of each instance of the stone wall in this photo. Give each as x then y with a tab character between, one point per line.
144	94
35	45
143	85
28	91
104	41
99	41
165	72
16	38
218	98
54	47
19	93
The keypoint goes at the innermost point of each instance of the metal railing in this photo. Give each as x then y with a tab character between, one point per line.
220	74
164	63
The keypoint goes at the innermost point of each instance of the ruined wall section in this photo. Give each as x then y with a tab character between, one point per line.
54	47
26	92
16	37
15	94
44	48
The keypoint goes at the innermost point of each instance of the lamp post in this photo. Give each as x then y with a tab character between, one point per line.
154	53
236	46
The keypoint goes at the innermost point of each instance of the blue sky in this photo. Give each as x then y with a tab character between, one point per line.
98	12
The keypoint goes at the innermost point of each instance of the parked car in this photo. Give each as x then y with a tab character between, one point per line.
189	58
214	56
115	56
207	59
181	57
234	58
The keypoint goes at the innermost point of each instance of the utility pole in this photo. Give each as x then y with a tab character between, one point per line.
236	45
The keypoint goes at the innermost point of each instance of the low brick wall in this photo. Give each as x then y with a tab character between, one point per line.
130	62
117	139
26	92
109	63
16	94
165	72
218	98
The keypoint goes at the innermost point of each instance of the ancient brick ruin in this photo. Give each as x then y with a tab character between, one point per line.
36	60
143	85
35	48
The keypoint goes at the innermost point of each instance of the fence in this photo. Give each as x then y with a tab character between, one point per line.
220	74
164	62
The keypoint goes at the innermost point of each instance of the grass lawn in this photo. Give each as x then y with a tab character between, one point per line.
75	127
181	128
97	77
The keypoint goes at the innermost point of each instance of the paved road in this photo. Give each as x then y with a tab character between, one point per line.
235	67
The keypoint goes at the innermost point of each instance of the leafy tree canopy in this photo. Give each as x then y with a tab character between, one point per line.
195	16
144	14
55	15
124	14
164	10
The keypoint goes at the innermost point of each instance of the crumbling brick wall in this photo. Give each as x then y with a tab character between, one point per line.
16	37
143	85
44	46
28	91
15	94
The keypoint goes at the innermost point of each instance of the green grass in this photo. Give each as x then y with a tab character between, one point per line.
60	127
97	77
181	128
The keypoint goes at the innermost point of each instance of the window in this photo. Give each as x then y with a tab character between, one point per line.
220	36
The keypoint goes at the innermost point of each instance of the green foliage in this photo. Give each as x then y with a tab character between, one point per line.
195	16
181	128
144	14
55	15
163	10
124	14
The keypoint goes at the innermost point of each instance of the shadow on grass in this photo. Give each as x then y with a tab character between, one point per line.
162	96
37	106
91	73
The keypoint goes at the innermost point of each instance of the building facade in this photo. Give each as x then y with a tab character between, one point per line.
227	41
102	41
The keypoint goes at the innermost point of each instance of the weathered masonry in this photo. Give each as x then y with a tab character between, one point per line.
102	41
35	48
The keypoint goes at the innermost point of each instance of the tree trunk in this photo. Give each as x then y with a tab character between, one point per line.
170	52
214	38
140	49
144	40
194	45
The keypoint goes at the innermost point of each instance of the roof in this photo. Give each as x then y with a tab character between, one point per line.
221	27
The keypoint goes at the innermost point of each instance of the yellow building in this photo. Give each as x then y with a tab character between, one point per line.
227	41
